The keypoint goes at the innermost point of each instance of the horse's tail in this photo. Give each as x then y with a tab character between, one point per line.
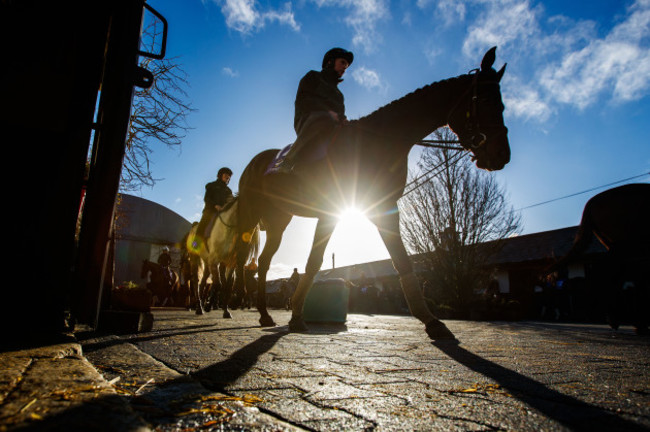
254	244
250	190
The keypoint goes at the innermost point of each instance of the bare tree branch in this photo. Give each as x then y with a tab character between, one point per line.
446	219
159	115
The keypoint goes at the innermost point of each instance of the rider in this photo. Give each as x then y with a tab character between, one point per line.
165	261
319	105
217	194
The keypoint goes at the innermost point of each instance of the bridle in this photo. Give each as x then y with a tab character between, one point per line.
477	137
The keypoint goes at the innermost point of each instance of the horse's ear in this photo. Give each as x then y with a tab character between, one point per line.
488	59
501	72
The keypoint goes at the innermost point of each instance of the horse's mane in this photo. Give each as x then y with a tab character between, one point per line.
230	203
416	101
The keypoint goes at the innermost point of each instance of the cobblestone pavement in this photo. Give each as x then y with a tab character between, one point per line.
382	373
375	373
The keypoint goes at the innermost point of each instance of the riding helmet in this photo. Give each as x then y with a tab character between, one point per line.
335	53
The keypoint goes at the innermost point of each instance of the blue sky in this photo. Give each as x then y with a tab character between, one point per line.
576	93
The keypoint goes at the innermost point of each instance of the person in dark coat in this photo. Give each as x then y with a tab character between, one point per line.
319	105
217	194
165	261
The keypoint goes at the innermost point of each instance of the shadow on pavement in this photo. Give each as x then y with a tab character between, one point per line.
217	376
567	410
105	343
113	412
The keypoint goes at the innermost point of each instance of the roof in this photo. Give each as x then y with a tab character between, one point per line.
147	221
541	246
374	269
535	247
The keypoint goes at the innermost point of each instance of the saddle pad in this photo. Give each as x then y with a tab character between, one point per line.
277	160
311	152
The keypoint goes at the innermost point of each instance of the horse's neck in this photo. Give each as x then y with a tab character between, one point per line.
416	115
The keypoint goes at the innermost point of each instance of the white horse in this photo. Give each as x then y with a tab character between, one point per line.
223	246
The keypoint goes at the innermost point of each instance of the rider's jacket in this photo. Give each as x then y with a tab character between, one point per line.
165	259
216	193
318	92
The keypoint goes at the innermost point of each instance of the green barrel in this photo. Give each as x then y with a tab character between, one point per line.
327	301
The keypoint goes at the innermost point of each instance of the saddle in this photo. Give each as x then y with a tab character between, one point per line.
311	146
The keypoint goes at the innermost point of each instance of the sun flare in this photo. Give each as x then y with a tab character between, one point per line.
356	239
352	215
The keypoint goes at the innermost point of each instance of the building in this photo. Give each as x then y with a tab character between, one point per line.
143	228
517	267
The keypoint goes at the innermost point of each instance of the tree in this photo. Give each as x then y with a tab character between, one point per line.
159	114
447	218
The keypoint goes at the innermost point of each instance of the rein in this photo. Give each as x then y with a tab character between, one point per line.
441	144
224	222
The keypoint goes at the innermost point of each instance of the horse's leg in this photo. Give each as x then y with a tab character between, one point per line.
202	290
239	275
226	290
212	293
273	238
324	230
388	226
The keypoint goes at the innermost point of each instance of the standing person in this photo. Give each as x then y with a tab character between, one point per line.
319	105
295	278
293	284
217	194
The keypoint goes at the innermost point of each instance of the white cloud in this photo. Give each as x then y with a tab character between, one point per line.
617	65
362	17
524	101
562	61
368	78
504	22
229	72
243	16
450	11
279	271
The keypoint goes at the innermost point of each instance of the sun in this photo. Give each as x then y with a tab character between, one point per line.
355	240
352	216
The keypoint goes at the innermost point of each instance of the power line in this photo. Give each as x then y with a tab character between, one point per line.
413	183
583	192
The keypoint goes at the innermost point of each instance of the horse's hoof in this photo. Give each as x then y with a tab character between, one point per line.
437	330
226	314
199	310
267	321
297	325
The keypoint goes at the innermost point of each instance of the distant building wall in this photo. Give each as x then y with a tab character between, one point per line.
143	228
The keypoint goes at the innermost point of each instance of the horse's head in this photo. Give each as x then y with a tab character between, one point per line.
477	118
147	266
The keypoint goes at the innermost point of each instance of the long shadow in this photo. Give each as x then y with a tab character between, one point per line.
219	375
109	413
207	328
567	410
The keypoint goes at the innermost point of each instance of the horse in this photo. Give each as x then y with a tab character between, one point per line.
195	272
618	219
162	286
366	167
224	244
